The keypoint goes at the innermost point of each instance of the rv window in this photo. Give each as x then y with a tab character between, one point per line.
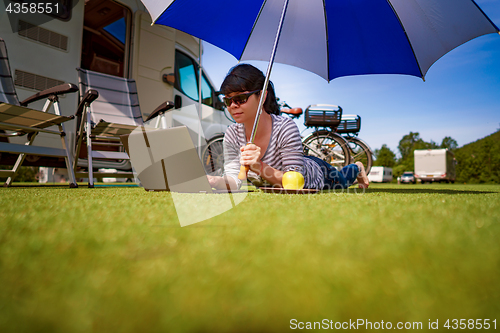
207	92
186	73
105	30
210	98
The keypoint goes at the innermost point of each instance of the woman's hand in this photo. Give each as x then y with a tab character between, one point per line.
250	155
222	183
214	181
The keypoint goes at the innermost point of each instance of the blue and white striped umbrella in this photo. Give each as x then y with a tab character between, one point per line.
332	38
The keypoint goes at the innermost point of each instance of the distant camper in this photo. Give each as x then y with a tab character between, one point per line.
435	165
380	174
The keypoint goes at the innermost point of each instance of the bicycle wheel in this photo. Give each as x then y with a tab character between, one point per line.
328	146
360	152
212	157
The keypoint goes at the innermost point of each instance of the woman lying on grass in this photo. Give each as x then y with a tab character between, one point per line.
277	147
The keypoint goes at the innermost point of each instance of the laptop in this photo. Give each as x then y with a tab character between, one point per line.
167	160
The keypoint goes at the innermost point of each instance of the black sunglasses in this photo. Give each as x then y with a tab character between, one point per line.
238	99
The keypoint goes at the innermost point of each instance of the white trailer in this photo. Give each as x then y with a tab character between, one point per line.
112	37
435	165
380	174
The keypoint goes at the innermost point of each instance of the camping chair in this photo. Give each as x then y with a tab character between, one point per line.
115	112
18	120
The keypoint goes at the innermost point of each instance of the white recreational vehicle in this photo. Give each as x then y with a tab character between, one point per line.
111	37
380	174
435	165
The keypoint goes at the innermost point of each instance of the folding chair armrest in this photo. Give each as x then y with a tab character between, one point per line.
54	91
161	109
90	96
5	135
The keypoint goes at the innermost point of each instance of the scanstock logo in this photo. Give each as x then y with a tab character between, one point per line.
168	160
37	12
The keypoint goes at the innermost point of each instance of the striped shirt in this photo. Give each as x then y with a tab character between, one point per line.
283	153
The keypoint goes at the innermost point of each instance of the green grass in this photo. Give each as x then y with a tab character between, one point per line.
116	259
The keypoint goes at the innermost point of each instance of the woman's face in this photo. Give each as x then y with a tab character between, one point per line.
244	112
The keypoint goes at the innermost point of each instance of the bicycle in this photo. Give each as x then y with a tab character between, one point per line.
349	128
212	156
326	141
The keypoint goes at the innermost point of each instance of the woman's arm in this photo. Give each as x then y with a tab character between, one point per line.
231	160
250	156
222	183
272	175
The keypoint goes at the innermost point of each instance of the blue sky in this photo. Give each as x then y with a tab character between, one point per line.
459	98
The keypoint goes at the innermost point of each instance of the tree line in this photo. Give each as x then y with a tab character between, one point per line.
477	162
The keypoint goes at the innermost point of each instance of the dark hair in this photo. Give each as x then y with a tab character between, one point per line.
245	77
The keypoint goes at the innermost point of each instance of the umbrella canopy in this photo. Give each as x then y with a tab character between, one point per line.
332	38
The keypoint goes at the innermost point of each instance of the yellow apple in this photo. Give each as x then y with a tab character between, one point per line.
293	180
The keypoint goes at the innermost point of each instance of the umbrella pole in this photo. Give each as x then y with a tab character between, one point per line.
200	100
244	168
268	73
